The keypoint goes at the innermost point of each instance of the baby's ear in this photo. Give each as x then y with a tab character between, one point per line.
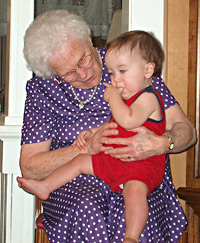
149	69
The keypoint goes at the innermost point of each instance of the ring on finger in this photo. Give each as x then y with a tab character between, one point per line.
128	156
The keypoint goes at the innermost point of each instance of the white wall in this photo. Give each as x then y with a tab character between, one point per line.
145	15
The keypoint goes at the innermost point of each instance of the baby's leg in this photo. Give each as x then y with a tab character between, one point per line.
82	164
136	209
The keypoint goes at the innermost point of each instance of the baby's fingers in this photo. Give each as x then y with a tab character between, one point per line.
81	143
106	84
74	143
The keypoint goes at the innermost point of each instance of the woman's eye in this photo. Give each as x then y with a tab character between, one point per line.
122	71
111	74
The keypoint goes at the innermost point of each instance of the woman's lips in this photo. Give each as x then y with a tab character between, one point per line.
89	80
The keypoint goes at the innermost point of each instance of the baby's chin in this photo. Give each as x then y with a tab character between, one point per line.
126	95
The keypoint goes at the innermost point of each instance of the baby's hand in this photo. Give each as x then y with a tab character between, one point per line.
110	91
82	138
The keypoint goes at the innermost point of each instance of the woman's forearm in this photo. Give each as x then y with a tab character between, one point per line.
183	135
180	129
36	163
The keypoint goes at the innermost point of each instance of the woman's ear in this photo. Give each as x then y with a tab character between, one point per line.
149	69
90	40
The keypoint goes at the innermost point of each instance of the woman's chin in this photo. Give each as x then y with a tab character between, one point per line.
86	84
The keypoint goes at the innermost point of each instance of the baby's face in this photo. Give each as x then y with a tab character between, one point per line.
127	71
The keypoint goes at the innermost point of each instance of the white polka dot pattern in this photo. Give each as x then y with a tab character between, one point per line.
85	210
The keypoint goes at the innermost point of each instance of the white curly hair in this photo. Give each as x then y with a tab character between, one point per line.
47	34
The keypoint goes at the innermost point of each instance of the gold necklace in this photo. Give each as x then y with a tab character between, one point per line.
82	103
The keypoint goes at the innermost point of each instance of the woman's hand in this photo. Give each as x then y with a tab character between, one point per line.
95	143
141	146
146	144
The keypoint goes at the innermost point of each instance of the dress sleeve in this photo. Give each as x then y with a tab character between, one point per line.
38	119
167	97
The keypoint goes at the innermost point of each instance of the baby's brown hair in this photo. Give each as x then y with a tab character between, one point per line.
148	46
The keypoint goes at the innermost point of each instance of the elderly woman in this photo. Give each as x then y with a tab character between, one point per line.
65	98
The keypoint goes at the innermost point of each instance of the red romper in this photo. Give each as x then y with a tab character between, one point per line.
150	171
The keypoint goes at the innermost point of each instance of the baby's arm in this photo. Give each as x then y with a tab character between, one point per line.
146	106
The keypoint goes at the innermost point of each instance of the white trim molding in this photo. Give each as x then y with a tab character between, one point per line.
17	218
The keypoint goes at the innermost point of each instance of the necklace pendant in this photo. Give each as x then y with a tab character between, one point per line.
81	105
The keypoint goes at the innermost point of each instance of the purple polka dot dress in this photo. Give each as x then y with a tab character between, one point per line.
85	209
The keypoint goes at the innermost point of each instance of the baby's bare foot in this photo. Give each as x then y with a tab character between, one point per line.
37	188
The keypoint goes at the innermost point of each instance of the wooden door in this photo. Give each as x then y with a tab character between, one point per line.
191	193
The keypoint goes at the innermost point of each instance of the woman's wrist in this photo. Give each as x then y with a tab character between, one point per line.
169	143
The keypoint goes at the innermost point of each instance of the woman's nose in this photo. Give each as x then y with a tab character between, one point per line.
82	73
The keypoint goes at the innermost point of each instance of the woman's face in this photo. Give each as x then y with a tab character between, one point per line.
78	63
